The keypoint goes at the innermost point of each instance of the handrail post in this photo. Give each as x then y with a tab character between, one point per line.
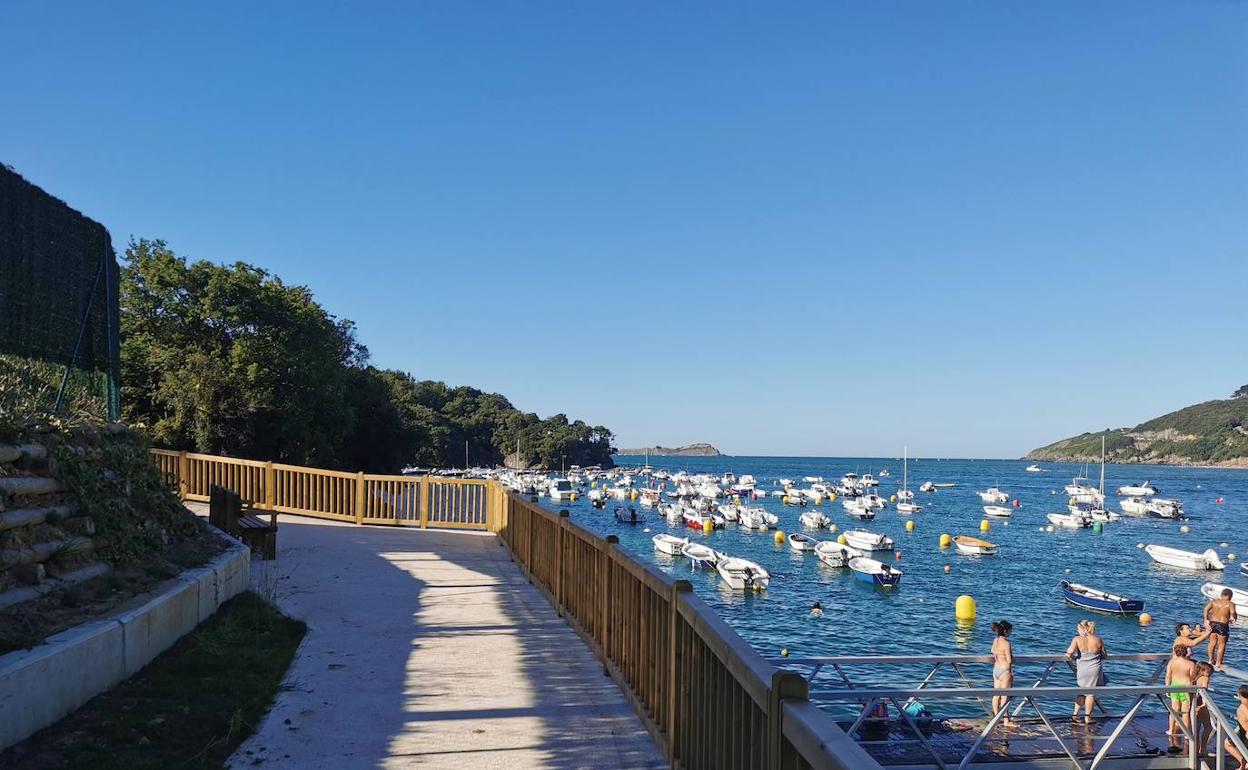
559	541
528	559
270	486
673	666
361	498
608	557
425	496
184	466
785	685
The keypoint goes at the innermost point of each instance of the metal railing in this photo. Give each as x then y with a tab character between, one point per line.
950	684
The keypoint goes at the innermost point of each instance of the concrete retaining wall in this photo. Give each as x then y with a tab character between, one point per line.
43	684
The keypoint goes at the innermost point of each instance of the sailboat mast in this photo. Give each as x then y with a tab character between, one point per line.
905	468
1102	467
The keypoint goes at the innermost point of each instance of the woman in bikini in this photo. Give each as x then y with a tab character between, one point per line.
1002	665
1088	672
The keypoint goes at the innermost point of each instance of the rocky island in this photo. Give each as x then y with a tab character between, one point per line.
1209	433
688	450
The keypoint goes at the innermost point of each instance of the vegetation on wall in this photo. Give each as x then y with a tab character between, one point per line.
229	359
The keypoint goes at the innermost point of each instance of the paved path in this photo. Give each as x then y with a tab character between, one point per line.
430	649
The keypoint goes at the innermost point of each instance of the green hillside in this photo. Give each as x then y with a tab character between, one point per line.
1211	433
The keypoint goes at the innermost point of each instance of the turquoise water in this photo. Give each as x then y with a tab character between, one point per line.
1019	584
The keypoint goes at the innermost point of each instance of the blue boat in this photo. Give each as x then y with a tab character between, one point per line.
875	572
1100	601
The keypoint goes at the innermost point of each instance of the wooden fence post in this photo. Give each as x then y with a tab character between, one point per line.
608	558
673	666
785	685
529	553
184	468
361	497
426	494
270	487
559	540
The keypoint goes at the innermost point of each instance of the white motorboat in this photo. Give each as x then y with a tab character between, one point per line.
794	498
1174	557
858	509
863	540
742	574
873	501
1069	520
905	495
998	511
710	491
813	479
885	473
908	507
673	512
814	519
1104	516
728	479
730	511
1082	492
835	554
868	480
1034	469
973	546
993	495
757	518
1135	506
561	490
1142	490
927	486
1238	598
650	498
669	544
1166	509
700	556
800	542
597	495
698	519
875	572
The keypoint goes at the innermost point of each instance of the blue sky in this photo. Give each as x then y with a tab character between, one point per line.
824	228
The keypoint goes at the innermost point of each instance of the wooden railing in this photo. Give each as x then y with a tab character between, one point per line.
361	498
706	697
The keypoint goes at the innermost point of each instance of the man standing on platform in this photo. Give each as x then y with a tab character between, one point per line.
1219	615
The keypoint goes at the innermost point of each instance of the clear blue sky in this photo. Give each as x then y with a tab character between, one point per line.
825	228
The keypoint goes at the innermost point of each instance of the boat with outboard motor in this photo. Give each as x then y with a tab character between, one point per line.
1174	557
669	544
875	572
1100	601
742	574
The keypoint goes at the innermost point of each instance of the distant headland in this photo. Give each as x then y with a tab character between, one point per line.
688	450
1210	433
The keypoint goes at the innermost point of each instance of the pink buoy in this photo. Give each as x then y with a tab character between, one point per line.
1017	503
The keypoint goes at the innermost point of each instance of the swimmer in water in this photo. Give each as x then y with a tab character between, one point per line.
816	610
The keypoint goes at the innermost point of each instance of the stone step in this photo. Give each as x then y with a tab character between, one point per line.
26	593
17	486
22	517
11	453
41	552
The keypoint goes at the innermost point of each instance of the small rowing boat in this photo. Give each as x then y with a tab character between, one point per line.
835	554
999	511
1238	598
742	574
868	541
1100	601
1173	557
874	572
973	546
800	542
700	556
669	544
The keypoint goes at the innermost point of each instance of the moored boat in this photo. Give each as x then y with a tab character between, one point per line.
1069	520
1034	469
669	544
908	507
629	515
1100	601
800	542
835	554
700	556
814	519
697	519
1142	490
868	541
993	495
858	509
1238	598
1174	557
875	572
927	486
561	490
742	574
1134	506
756	518
650	498
973	546
999	511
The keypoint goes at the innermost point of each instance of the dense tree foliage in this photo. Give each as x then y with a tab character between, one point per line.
229	359
1241	393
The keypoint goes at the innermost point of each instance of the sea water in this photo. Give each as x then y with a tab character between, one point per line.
1019	584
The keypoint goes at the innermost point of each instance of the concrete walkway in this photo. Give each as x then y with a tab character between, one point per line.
430	649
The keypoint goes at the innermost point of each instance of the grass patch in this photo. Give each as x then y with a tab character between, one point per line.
190	708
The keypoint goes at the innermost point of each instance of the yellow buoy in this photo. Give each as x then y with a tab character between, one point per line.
984	526
832	498
818	500
1145	618
632	495
841	539
784	653
910	525
779	538
708	527
892	498
572	497
784	499
945	541
964	608
1070	501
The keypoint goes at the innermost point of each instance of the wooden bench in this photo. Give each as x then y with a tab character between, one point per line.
226	512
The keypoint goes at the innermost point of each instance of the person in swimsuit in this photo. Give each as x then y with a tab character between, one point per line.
1241	730
1189	636
1219	615
1090	650
1180	671
1200	709
816	610
1002	665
